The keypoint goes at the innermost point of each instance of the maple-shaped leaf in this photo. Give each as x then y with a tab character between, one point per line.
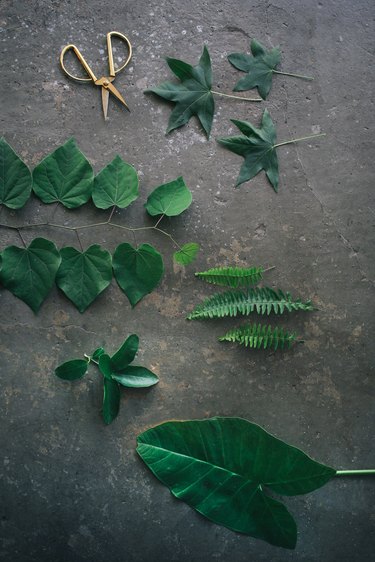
257	146
192	96
259	68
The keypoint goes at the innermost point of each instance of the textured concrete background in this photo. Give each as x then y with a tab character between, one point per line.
73	489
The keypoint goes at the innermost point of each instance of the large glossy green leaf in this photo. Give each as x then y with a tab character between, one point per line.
169	199
187	253
64	176
82	276
192	95
116	184
137	270
29	273
15	178
223	467
136	377
126	353
258	148
72	370
259	68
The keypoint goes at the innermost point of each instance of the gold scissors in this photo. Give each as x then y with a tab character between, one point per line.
105	81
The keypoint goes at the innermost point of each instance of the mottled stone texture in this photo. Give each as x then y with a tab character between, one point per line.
71	488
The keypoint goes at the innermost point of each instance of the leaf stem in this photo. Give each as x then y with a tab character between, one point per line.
300	139
159	220
361	472
269	268
294	75
235	97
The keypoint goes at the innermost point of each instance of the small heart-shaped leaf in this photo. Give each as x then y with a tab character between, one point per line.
29	273
64	176
82	276
137	271
169	199
15	178
187	253
116	184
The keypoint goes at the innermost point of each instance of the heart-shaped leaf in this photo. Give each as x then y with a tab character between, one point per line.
116	184
72	370
65	176
137	271
258	148
29	273
82	276
187	253
223	466
136	377
15	178
169	199
192	96
126	353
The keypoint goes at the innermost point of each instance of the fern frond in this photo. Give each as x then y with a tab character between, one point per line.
257	336
234	277
262	300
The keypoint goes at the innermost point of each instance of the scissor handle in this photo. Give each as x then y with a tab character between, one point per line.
112	71
81	60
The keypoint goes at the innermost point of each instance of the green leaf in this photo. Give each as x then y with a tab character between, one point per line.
72	370
258	148
126	353
262	300
192	95
97	354
222	467
137	271
116	185
111	390
259	68
29	273
187	253
111	400
15	178
64	176
82	276
136	377
257	336
169	199
232	276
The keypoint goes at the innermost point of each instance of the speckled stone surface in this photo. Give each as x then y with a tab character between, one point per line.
73	490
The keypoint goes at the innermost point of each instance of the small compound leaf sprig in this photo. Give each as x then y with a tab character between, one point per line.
116	371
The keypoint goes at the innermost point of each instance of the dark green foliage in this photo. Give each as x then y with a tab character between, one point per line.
64	176
192	95
226	469
116	185
29	273
261	300
15	178
258	336
259	68
169	199
115	370
234	277
82	276
257	147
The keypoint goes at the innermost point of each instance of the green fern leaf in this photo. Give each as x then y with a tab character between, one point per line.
262	300
257	336
234	277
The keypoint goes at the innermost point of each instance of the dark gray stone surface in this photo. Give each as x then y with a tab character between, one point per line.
71	488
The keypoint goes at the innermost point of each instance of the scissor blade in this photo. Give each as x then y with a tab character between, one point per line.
105	98
116	93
